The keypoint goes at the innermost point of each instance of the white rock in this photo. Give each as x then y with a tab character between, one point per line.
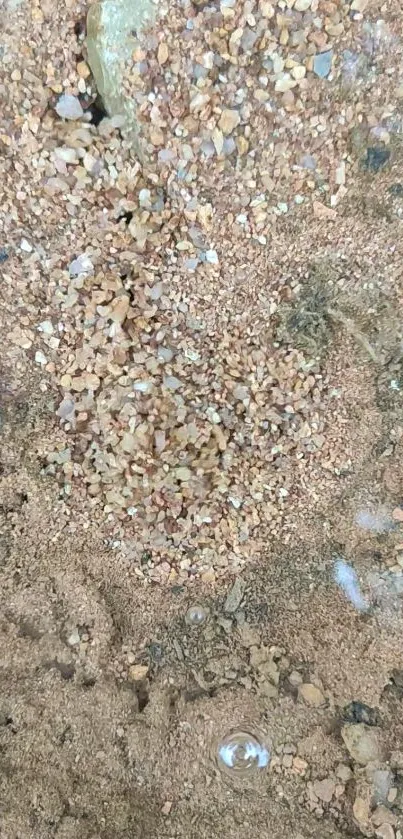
284	83
26	246
40	358
165	354
90	162
67	154
213	416
142	386
74	638
81	265
68	107
208	60
171	382
212	257
144	197
46	326
191	264
183	473
298	72
156	291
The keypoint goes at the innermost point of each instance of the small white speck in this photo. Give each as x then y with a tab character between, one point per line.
46	326
40	358
212	257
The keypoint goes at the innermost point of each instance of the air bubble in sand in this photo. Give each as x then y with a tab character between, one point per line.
242	754
196	615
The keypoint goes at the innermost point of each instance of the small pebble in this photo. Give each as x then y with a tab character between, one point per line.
362	743
212	257
311	695
68	107
40	358
324	789
81	265
234	597
322	63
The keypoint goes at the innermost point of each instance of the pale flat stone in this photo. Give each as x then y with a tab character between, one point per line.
362	743
311	695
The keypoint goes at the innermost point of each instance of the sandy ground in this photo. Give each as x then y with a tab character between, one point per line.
113	706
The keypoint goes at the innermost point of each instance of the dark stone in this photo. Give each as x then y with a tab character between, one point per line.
80	28
146	556
156	652
377	157
88	680
66	670
176	589
396	190
357	712
5	718
396	680
143	696
3	255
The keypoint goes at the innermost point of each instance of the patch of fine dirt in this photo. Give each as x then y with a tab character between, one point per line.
201	395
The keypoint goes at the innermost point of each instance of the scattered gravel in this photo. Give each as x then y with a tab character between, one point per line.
198	424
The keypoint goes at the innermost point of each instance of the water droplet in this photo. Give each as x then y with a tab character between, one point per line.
242	753
196	615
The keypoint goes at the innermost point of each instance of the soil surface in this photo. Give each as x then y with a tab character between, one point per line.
201	393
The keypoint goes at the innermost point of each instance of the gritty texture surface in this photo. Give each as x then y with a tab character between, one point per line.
201	409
